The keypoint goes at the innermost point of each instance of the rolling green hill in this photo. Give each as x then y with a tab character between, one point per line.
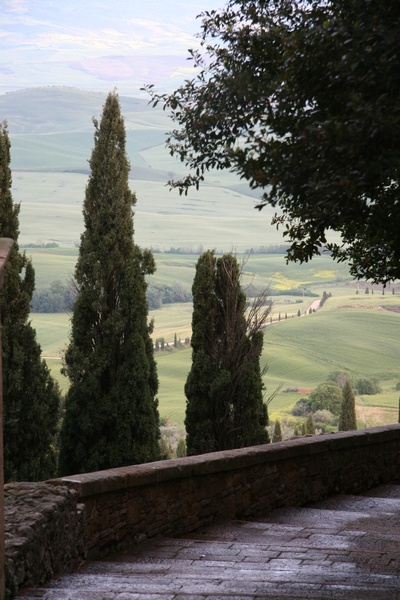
52	136
299	352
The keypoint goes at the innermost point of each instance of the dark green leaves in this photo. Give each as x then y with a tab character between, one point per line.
302	100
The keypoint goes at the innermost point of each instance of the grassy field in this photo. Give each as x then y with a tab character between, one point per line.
261	270
299	352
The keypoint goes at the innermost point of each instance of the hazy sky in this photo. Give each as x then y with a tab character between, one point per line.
92	43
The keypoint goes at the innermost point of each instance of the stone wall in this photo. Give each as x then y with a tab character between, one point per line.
44	533
127	505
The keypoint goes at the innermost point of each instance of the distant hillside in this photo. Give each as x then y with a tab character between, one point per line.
60	109
51	127
51	134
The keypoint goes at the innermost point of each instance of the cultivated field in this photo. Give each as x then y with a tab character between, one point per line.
352	332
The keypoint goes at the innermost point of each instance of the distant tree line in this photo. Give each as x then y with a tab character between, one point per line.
269	249
60	297
56	298
40	245
167	294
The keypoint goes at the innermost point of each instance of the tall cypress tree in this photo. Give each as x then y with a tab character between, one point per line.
30	395
111	415
224	388
347	418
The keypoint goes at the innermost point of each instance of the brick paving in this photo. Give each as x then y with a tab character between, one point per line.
343	548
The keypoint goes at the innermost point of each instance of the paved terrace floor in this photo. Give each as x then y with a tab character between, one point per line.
345	547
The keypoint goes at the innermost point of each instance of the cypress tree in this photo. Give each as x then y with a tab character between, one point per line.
224	388
347	418
31	398
310	425
277	435
111	414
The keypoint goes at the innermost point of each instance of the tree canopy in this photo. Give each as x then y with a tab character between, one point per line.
31	398
111	415
301	99
224	388
327	396
347	417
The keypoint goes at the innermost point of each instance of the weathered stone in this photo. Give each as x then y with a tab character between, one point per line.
44	533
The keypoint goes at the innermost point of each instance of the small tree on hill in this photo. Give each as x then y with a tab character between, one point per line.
347	418
111	415
310	425
327	396
181	448
31	397
224	388
369	387
277	435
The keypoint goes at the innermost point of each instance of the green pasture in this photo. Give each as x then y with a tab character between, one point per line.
299	352
58	109
259	270
213	217
72	149
172	319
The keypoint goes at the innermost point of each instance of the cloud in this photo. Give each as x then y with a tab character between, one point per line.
144	69
100	40
142	36
18	6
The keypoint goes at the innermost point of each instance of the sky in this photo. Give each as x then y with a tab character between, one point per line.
98	44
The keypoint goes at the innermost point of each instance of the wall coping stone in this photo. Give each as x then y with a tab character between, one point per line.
111	480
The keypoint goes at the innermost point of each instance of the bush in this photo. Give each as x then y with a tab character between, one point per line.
277	435
181	448
54	299
339	377
323	416
301	408
327	396
310	425
368	387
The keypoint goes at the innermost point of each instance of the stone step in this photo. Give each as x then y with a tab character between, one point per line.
316	553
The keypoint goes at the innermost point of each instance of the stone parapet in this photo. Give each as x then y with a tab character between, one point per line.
130	504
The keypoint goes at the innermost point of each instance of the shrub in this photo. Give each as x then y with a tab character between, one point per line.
368	387
181	448
327	396
339	377
310	425
277	435
301	408
323	416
